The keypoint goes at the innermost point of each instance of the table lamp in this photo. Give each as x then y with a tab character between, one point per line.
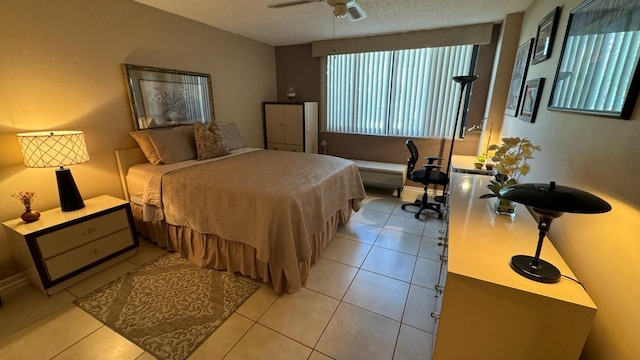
549	201
57	149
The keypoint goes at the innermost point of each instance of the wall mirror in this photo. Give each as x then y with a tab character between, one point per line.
598	68
165	97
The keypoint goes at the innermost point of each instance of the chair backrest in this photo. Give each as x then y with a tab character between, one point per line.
413	158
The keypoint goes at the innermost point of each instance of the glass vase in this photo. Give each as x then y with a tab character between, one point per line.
505	207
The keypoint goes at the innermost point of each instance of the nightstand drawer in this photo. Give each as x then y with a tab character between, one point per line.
75	259
73	236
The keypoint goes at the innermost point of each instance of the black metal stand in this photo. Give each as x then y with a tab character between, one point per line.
535	268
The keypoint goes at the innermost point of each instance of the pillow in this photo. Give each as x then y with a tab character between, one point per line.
175	144
142	138
232	135
210	142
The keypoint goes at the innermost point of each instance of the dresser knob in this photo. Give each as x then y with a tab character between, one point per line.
89	231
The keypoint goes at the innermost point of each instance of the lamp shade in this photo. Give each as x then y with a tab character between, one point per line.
556	198
53	148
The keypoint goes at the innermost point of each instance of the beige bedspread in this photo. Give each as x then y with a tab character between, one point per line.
273	201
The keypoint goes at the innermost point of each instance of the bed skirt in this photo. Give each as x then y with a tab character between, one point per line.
213	252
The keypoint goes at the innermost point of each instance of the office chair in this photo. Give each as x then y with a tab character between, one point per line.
430	175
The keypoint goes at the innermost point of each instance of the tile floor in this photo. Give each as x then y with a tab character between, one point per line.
369	297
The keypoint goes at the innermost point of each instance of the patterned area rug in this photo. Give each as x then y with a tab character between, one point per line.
169	306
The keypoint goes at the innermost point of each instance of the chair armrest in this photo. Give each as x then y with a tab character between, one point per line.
431	159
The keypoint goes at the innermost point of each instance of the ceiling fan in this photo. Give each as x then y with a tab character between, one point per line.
341	8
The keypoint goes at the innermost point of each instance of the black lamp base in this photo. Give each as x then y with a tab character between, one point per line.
544	272
70	199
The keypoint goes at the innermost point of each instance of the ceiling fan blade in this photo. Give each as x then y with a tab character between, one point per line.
355	11
292	3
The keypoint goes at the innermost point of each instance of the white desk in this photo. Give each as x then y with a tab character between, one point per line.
488	310
464	164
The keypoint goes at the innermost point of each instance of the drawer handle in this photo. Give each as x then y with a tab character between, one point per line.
89	231
94	251
435	315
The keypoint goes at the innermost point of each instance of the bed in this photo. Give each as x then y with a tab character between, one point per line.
263	213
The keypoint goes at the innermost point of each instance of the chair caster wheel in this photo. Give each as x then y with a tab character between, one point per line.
417	216
403	207
440	216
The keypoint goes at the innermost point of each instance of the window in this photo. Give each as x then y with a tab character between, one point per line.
396	93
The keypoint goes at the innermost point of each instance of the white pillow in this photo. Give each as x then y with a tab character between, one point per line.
175	144
232	135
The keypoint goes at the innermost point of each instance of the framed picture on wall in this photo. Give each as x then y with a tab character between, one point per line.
517	77
531	100
165	97
598	71
545	35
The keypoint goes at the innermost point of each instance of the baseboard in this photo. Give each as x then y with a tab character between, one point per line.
16	280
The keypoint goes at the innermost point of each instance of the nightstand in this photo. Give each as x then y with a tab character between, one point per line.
63	248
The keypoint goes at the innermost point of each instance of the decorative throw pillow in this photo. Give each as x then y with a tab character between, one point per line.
142	138
210	141
175	144
232	135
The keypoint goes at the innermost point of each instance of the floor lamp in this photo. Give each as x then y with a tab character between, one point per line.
463	81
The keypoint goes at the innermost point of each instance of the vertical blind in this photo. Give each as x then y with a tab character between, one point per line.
596	84
397	93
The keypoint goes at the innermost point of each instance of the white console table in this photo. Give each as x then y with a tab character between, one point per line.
489	311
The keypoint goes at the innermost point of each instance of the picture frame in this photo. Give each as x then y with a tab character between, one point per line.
597	73
518	76
165	97
544	36
531	100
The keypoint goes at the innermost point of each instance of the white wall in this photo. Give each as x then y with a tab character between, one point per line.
599	155
60	68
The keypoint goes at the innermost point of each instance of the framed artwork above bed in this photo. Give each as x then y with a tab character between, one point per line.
165	97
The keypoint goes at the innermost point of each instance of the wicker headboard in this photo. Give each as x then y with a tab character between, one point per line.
125	158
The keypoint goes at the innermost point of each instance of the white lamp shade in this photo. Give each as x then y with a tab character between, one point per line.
53	148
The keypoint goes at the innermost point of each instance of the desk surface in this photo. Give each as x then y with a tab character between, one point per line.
464	164
482	243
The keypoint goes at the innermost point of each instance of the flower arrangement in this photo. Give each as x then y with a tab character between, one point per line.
510	162
25	197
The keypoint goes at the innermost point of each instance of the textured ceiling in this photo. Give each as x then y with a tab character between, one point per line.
315	21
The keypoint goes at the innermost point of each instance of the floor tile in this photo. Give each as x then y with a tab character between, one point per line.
223	339
259	301
405	224
330	278
104	343
359	231
390	263
420	304
429	248
263	343
147	251
382	204
319	356
379	294
358	334
399	241
433	228
104	277
292	316
370	217
25	305
51	335
346	251
413	344
426	272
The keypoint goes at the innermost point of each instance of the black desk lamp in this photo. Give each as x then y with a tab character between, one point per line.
463	81
549	201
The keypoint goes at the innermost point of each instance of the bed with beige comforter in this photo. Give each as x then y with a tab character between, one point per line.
263	213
